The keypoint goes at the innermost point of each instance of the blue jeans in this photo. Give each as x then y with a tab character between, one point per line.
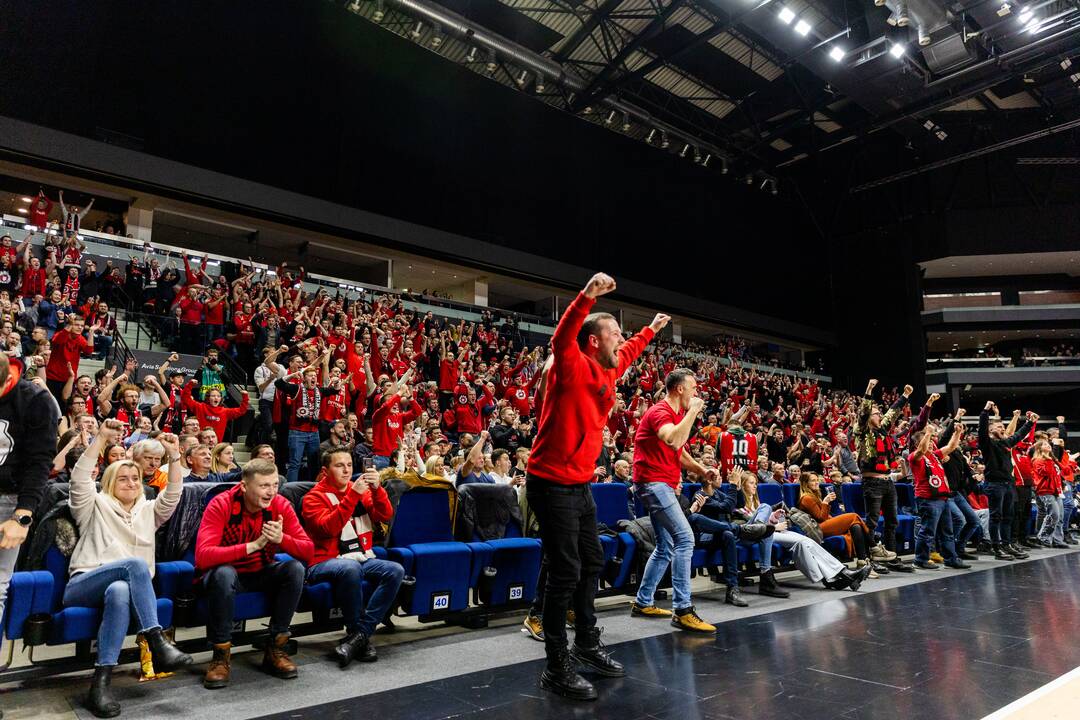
1067	507
719	535
122	589
933	513
965	521
302	444
346	576
761	515
674	546
102	345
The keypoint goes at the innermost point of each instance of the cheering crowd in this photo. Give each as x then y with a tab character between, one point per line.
354	390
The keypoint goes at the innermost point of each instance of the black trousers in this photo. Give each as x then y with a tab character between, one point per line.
1022	513
1001	497
574	559
284	581
879	496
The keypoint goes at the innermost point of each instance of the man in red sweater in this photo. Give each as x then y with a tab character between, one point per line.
338	514
590	356
241	532
388	421
212	414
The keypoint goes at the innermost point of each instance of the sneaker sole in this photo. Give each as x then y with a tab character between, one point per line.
594	669
563	692
638	613
701	631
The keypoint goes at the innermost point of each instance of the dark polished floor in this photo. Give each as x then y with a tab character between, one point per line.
960	646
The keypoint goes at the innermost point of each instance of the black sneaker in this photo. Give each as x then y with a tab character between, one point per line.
1002	553
900	566
734	597
1018	552
879	568
589	652
561	678
967	556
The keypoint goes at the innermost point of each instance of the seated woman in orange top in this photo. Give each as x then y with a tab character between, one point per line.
848	525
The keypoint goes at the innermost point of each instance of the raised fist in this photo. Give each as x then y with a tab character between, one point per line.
599	284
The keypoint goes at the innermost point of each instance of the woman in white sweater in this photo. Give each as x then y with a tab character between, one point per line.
113	562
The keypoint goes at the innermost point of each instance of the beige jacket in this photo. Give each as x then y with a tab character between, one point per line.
107	532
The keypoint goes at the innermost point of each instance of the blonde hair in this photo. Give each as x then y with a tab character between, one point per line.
108	478
750	502
215	459
429	466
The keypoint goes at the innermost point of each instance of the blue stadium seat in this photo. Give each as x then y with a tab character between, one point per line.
422	540
690	489
516	560
611	507
791	493
771	494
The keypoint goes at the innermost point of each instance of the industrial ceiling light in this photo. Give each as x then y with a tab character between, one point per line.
723	166
380	12
1066	64
686	149
588	110
705	161
492	63
471	57
664	142
749	179
802	27
697	156
626	122
902	18
416	31
522	78
1004	10
652	134
610	119
540	86
355	5
786	15
836	53
941	134
897	50
879	3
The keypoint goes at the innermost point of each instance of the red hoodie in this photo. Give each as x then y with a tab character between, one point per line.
326	509
1047	477
578	396
388	424
210	416
227	528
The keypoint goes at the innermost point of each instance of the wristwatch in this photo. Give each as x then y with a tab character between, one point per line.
24	520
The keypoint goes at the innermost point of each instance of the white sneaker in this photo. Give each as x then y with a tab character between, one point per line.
878	552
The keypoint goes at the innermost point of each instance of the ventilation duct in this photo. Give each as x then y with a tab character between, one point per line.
942	46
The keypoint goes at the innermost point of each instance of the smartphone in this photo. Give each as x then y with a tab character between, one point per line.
369	464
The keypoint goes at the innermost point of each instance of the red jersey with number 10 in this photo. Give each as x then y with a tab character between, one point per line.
737	450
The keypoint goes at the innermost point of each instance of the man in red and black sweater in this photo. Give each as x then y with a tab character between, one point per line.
590	356
388	421
304	406
339	513
241	532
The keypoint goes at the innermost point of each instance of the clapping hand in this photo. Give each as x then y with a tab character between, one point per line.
272	532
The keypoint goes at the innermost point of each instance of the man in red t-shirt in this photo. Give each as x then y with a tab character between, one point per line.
67	347
931	496
658	463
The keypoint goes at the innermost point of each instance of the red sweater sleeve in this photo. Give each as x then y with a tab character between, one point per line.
377	503
293	538
325	519
384	408
564	340
232	413
412	413
188	401
209	552
632	348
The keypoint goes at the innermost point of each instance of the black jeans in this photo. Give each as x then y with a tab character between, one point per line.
859	540
1001	497
1022	512
284	581
567	517
879	496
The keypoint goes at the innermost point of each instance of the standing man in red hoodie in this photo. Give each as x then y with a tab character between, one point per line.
338	513
590	356
389	420
241	532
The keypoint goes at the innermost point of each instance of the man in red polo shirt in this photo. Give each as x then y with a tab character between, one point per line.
590	356
658	463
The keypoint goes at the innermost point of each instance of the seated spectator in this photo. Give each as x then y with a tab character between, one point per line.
112	565
339	435
338	514
850	526
200	459
143	427
221	459
241	532
148	454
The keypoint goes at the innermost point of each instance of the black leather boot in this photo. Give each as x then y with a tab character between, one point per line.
561	677
355	645
100	700
590	652
752	532
166	656
767	586
1002	553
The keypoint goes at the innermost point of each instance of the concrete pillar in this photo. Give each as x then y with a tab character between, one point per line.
140	222
480	293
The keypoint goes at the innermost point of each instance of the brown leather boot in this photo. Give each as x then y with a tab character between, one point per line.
217	675
276	661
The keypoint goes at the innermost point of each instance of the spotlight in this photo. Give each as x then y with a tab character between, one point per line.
471	57
664	142
610	119
26	199
769	183
355	6
652	134
836	53
929	124
705	162
540	87
1066	64
522	78
941	134
897	50
588	110
685	149
437	38
697	156
879	3
902	19
723	166
22	211
1004	10
380	13
749	179
492	63
802	27
786	15
626	122
415	32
